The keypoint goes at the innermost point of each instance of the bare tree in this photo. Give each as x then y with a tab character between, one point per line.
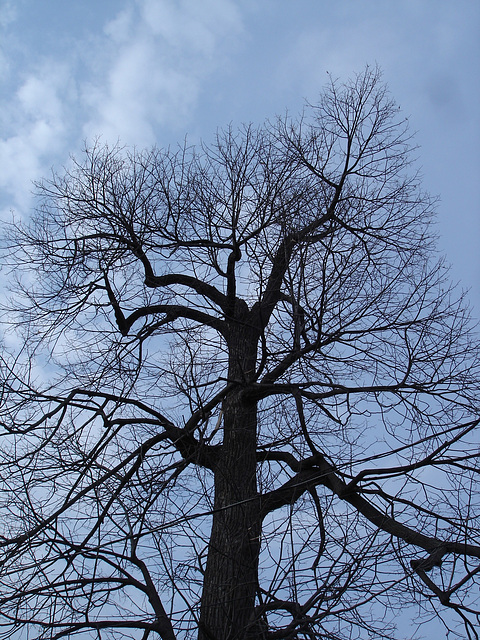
250	403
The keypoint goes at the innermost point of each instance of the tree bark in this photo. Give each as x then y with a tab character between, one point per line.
231	575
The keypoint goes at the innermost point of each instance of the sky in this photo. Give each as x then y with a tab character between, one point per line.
147	72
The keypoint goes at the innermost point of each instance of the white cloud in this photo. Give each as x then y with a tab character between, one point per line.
140	93
157	57
38	95
33	126
192	25
144	71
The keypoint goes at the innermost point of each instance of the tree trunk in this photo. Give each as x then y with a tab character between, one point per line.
230	581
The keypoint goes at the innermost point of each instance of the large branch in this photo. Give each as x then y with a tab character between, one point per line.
68	629
323	473
262	310
173	312
262	390
170	311
200	287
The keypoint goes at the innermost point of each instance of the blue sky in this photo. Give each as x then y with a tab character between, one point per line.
152	71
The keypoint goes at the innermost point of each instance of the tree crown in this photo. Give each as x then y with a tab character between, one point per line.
256	334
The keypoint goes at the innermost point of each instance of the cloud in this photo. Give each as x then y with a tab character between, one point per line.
420	46
34	122
8	13
156	55
140	72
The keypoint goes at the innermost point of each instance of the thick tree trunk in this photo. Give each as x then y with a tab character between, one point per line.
231	574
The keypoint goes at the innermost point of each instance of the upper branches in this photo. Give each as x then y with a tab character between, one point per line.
275	291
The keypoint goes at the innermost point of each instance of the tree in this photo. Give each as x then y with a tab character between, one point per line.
249	406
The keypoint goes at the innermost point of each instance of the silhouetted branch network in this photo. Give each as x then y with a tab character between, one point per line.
246	401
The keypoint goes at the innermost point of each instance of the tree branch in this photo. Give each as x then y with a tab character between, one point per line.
324	474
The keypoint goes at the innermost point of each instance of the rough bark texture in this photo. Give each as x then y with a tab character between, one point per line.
231	574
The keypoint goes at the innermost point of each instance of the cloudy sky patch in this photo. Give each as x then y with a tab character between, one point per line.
159	54
152	71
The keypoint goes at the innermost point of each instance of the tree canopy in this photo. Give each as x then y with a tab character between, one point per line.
246	405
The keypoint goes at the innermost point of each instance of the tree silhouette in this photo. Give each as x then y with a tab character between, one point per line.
247	405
